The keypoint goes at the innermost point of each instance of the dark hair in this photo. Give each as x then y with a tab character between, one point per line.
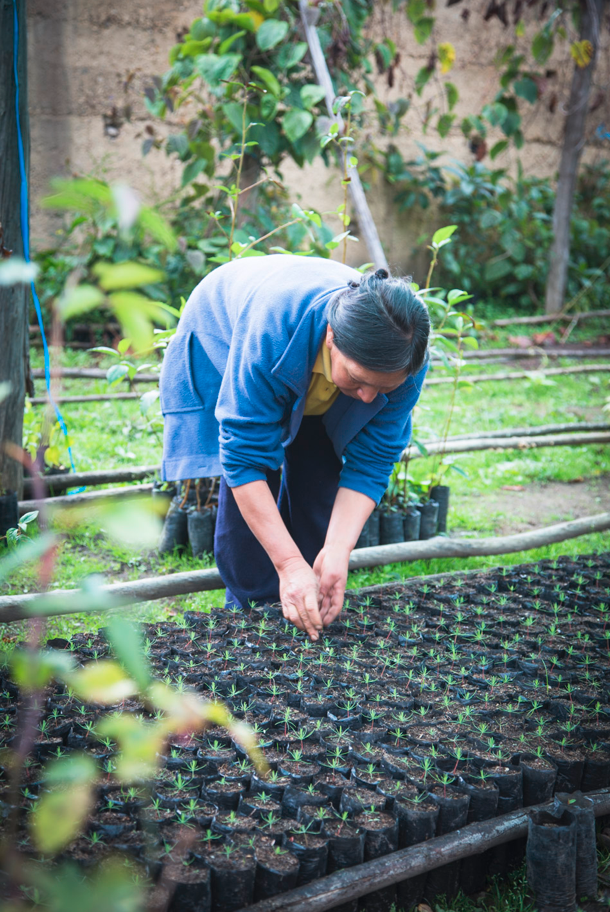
381	323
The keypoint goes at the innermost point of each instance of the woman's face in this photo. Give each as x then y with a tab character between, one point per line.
356	381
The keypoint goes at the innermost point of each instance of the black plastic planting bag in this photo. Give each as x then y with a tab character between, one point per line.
483	806
191	888
569	768
510	783
411	525
539	777
175	528
453	814
586	849
416	823
440	493
201	531
233	878
274	873
429	519
345	846
381	838
551	860
391	528
312	852
596	774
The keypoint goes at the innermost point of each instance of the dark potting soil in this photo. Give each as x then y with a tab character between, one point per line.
483	692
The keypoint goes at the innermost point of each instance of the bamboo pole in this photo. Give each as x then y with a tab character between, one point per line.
112	595
351	883
366	224
534	351
539	430
80	479
102	397
90	373
506	443
550	318
521	375
78	500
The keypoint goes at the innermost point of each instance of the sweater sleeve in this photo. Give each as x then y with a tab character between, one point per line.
253	406
370	456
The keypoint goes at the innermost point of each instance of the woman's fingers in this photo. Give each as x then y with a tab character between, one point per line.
299	596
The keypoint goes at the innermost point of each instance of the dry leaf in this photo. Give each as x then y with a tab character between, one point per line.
520	341
513	487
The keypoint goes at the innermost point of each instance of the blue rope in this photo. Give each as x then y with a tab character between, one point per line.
25	234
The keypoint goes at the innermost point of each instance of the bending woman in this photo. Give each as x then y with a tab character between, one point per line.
294	379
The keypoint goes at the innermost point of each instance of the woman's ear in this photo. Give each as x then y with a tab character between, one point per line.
330	338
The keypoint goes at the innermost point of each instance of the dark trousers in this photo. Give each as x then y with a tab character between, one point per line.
305	491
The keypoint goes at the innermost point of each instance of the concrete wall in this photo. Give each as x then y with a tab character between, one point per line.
87	60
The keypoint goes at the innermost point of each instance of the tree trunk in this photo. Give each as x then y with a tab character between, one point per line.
573	143
14	299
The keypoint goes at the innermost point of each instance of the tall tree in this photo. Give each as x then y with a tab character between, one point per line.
591	12
14	299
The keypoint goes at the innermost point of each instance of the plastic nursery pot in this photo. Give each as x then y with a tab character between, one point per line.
440	493
200	526
417	822
551	860
596	774
483	805
391	528
175	528
233	874
411	525
380	838
312	852
345	844
429	519
9	512
539	777
453	814
277	871
586	849
510	782
570	767
190	888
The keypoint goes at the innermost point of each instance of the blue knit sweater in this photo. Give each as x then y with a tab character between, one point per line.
235	378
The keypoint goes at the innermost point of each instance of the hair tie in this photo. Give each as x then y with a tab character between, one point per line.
353	284
382	274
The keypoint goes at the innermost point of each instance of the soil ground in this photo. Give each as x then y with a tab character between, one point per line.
522	507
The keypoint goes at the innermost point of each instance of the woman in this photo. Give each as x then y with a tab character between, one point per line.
294	379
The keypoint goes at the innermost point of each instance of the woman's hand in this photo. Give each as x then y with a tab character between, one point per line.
299	596
331	566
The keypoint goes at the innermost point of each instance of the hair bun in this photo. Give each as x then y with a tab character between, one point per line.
353	284
382	274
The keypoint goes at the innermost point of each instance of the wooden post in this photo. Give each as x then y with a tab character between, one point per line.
14	299
309	17
573	143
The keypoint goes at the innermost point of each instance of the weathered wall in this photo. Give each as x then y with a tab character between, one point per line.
81	55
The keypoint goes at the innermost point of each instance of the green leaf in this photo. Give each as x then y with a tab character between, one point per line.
136	314
116	373
294	54
497	148
495	113
229	42
214	69
331	245
296	123
423	29
452	95
415	10
29	517
79	300
147	400
542	46
270	33
497	269
526	88
129	274
59	816
491	218
423	76
102	682
443	234
311	94
127	645
267	77
193	170
268	110
131	522
194	48
34	670
444	124
139	743
155	225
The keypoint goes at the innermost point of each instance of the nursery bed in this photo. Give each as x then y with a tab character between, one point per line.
425	708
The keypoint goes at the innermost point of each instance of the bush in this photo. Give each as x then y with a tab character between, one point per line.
501	249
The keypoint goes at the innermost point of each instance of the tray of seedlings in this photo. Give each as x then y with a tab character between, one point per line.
425	707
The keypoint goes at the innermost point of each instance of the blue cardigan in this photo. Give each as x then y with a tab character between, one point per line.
235	378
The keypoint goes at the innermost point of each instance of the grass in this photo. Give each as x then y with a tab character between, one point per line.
114	435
